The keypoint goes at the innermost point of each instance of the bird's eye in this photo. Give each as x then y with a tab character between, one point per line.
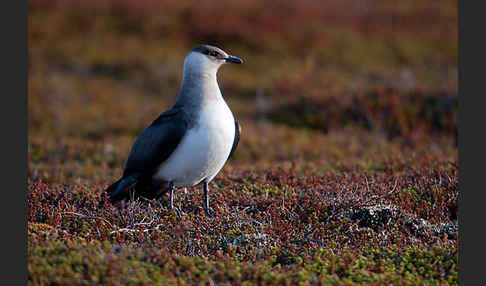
213	53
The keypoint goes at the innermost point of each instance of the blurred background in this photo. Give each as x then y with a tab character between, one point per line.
325	84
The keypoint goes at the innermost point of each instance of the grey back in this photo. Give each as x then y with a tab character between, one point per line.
157	142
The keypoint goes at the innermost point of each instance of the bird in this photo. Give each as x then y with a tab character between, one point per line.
189	143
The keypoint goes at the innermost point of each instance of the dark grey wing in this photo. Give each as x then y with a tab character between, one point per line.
156	143
237	138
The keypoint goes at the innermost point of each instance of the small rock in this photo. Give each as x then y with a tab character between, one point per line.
420	227
374	216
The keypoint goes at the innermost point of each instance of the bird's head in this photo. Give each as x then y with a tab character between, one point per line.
207	59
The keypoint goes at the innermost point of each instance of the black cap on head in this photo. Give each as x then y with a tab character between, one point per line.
217	53
204	49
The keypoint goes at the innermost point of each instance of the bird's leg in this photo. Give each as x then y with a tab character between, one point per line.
206	198
171	190
171	204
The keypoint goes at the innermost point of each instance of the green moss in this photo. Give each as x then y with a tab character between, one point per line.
339	99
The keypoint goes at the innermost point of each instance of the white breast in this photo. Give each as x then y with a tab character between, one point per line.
204	149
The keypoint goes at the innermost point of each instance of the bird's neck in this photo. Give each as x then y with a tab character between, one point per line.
198	88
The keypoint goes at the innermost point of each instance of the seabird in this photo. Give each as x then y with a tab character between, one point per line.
188	144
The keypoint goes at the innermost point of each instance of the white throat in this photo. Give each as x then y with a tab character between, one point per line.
197	65
199	79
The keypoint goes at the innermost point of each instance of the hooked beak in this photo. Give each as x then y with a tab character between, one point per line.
233	59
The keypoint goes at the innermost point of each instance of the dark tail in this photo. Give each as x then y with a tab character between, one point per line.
122	188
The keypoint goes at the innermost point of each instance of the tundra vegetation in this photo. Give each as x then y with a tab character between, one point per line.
347	168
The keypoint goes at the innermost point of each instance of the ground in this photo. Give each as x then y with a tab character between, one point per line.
346	172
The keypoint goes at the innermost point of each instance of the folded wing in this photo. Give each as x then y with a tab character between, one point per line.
156	143
237	138
152	147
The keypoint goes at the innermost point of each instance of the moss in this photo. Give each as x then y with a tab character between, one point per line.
337	113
